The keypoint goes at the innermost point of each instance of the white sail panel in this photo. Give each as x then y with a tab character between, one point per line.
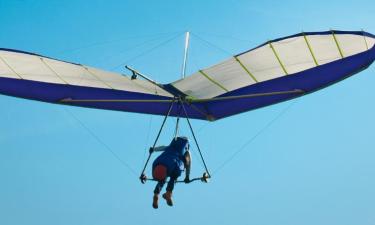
74	74
113	80
351	44
27	66
294	54
221	78
262	63
198	86
370	42
230	74
147	87
5	71
324	48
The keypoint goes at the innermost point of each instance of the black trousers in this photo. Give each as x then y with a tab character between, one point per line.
170	185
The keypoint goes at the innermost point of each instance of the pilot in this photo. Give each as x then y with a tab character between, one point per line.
171	163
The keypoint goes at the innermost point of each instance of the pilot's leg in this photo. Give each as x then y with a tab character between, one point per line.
157	191
168	195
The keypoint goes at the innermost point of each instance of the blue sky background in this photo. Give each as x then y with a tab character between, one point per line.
313	165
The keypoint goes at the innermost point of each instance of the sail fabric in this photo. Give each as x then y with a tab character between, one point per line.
33	67
273	72
273	60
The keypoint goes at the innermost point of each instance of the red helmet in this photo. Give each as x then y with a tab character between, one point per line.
159	173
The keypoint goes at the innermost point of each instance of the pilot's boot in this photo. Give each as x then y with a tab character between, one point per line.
168	197
155	199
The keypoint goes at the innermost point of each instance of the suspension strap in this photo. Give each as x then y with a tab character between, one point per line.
177	128
177	123
142	177
195	139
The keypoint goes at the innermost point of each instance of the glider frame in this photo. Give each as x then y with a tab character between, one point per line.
206	175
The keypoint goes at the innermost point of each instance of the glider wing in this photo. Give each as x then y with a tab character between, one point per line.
273	72
278	70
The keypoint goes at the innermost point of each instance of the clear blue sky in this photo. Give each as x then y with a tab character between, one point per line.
313	165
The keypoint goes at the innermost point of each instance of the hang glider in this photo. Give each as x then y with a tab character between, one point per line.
273	72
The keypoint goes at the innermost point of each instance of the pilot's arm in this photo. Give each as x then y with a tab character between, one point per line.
158	149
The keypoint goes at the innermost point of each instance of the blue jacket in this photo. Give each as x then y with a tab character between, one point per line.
173	157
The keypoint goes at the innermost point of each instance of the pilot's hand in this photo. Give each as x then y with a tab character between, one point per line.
187	180
151	150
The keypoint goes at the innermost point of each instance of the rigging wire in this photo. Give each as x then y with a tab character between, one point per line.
253	138
195	140
147	139
192	60
107	58
101	43
157	137
146	52
101	142
190	137
225	36
210	44
181	128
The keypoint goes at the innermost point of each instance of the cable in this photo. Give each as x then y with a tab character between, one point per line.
107	58
100	43
147	138
101	142
195	139
262	130
157	138
195	154
212	45
225	36
146	52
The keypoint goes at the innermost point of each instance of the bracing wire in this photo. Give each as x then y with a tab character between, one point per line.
147	138
107	58
101	142
157	136
178	127
225	36
107	42
194	152
208	43
195	140
146	52
253	138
